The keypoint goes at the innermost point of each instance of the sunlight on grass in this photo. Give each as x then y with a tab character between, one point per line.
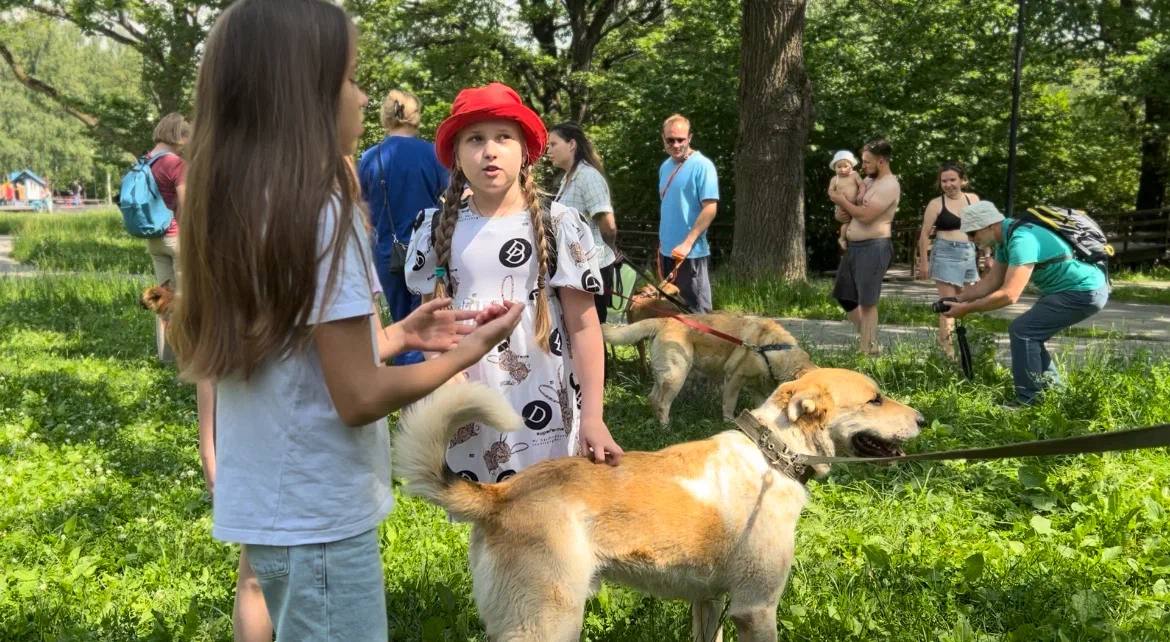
1132	275
104	524
80	242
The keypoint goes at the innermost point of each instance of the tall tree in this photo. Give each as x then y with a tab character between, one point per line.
1126	40
775	113
548	49
36	133
166	34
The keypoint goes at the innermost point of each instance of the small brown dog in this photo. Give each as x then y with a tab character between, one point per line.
158	299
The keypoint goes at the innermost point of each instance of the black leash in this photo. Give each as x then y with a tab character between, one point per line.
1157	436
654	283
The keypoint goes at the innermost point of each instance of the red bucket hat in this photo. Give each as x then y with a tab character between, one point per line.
495	101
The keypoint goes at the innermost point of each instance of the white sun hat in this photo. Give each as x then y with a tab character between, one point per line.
844	154
978	215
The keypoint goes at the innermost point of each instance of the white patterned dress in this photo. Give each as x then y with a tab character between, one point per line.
492	260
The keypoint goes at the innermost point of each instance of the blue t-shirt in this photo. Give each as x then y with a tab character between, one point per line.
695	182
1032	244
414	182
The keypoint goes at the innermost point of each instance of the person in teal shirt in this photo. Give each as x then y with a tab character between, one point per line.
689	188
1070	291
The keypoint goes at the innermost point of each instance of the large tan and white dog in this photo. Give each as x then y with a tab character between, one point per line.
695	521
676	348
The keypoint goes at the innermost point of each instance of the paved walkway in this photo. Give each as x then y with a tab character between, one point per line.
839	335
1146	320
7	264
1150	321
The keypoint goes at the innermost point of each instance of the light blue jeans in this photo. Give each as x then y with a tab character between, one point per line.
331	592
1031	363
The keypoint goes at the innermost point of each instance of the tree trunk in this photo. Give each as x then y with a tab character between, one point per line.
1152	184
775	113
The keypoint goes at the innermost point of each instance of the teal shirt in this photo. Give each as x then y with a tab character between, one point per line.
1033	244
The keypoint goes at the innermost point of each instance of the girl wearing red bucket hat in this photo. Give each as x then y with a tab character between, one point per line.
501	246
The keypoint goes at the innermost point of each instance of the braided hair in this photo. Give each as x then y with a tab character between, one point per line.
532	199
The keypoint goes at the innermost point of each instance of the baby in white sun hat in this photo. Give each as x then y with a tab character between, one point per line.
846	182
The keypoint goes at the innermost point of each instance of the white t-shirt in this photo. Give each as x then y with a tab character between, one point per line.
288	470
588	193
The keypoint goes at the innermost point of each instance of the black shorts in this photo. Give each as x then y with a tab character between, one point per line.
860	274
604	300
693	283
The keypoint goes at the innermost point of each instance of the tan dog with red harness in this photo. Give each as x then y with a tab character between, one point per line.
695	521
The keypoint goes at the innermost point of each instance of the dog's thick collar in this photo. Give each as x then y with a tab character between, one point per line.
775	452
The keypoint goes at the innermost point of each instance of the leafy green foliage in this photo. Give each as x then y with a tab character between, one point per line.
932	77
37	134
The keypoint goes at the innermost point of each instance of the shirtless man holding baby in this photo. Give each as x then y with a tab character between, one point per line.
870	249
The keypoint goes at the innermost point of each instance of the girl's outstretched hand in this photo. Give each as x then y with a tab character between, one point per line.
431	328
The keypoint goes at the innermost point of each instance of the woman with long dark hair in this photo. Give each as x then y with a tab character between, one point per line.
583	187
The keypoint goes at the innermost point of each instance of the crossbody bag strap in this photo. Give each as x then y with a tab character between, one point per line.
1040	265
671	178
386	194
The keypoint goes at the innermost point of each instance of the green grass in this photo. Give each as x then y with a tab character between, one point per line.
1155	273
104	526
1138	294
11	222
79	242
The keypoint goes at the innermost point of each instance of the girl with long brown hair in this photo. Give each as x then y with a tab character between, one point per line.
501	245
277	310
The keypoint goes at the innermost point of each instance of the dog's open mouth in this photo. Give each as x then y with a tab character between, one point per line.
866	444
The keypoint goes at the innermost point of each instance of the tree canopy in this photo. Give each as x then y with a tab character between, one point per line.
933	78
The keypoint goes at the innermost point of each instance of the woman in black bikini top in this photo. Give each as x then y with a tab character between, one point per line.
952	263
946	221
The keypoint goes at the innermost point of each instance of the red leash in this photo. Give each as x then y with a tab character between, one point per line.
705	328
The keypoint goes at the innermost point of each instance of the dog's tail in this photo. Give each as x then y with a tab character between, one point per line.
420	445
625	335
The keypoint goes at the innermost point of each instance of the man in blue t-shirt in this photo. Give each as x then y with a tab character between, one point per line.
689	188
1070	290
414	179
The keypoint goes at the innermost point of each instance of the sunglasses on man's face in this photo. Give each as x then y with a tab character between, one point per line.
674	141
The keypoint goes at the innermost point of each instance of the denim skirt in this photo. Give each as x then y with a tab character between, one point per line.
953	262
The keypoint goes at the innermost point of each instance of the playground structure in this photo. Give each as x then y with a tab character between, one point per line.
23	191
